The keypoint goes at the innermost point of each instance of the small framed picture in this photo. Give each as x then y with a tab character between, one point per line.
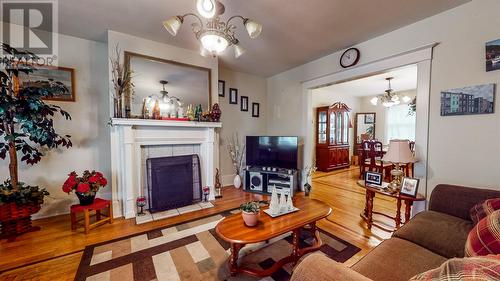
222	88
244	103
42	76
369	118
233	96
409	187
255	109
372	178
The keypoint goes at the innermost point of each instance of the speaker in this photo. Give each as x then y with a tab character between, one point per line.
256	181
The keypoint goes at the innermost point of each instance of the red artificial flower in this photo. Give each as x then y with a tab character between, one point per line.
70	183
83	187
94	179
99	174
103	182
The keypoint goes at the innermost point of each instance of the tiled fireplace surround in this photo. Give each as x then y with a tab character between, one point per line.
135	140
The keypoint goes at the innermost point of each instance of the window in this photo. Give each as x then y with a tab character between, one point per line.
399	124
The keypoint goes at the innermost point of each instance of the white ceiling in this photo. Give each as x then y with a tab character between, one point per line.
295	31
404	79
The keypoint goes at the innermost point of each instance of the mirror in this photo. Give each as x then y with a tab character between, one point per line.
189	84
365	127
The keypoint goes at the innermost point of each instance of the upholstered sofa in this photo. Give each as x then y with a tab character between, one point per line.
424	243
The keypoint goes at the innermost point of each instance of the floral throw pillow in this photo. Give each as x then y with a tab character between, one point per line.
483	209
464	269
484	238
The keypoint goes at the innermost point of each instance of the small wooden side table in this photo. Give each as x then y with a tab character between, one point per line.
368	213
97	206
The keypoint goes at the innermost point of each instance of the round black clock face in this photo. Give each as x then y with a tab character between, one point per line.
350	57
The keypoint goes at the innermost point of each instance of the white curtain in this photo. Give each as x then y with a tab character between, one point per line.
399	124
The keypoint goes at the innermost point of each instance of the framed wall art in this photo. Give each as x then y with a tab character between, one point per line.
244	103
222	88
233	96
44	75
255	109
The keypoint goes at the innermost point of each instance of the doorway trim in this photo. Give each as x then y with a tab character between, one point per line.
422	57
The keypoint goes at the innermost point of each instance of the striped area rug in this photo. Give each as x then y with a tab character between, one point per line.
192	251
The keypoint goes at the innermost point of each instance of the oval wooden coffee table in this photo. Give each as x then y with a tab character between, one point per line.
233	230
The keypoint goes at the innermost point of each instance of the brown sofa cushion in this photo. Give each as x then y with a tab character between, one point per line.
437	232
397	259
319	267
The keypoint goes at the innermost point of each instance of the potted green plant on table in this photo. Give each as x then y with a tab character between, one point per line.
250	212
86	186
26	127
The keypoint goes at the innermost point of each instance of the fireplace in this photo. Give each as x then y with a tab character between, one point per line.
173	182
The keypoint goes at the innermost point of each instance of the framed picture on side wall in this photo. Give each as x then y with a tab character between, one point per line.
233	96
44	75
244	103
493	55
255	109
222	88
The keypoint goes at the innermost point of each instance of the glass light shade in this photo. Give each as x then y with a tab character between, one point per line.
388	103
173	24
238	51
406	99
253	28
204	52
206	8
395	98
374	101
214	43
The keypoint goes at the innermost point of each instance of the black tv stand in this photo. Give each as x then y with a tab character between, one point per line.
263	179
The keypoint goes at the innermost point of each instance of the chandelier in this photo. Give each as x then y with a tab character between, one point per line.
389	98
164	104
215	35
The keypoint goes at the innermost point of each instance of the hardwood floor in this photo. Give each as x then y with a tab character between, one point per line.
54	252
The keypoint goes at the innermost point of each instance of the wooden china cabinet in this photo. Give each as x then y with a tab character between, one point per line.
332	137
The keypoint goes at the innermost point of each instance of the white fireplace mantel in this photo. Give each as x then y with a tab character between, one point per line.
127	138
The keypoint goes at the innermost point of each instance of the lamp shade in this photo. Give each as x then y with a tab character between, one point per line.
206	8
399	152
253	28
238	51
173	24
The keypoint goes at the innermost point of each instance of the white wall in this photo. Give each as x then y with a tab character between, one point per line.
462	150
326	97
88	127
380	122
235	120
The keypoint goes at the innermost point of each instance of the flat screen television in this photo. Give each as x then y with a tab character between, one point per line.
270	151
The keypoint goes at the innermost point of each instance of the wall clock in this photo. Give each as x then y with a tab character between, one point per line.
350	57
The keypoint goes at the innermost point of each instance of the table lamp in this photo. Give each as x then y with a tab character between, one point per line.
399	153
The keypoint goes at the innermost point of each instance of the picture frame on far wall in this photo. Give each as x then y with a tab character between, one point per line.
244	103
493	55
233	96
255	109
409	187
44	74
472	100
369	118
222	88
372	178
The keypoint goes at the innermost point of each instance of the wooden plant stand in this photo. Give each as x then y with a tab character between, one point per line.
97	206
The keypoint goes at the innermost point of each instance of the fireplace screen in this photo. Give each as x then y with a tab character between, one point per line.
173	182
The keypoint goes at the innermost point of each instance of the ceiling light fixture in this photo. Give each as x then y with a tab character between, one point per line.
389	98
215	35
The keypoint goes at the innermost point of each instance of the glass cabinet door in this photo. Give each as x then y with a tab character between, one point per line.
345	137
333	128
339	127
322	127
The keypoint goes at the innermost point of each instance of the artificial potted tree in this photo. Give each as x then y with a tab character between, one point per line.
26	127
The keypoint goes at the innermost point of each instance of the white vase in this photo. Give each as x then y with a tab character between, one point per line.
237	181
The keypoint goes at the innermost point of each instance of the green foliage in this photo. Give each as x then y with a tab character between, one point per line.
23	195
252	206
27	119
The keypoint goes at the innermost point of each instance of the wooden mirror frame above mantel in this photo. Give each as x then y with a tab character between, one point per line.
127	59
356	143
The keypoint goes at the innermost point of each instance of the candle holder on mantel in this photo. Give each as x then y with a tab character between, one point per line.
141	203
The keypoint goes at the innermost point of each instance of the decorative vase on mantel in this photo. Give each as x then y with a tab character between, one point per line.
85	200
117	104
237	181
